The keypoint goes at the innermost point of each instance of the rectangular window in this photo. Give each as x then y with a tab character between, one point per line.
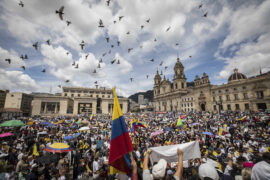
260	94
91	95
79	95
229	107
247	106
65	94
228	97
109	96
236	97
72	95
235	89
220	98
215	107
227	90
219	91
97	96
237	107
214	98
103	96
245	96
221	107
244	87
182	85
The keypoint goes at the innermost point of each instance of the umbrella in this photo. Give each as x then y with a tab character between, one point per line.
45	123
66	138
167	129
47	159
208	133
194	124
5	134
12	123
157	133
42	133
84	128
58	148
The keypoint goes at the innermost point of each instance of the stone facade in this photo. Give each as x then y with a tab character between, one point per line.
239	94
18	101
77	100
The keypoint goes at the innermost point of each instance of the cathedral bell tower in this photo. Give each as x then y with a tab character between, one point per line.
157	80
179	80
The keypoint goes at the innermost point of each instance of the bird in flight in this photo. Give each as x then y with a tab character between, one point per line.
67	81
108	2
60	12
43	70
35	45
8	60
82	44
104	54
142	27
59	86
68	23
176	44
128	32
48	42
190	56
166	67
100	61
168	28
94	71
107	39
200	6
86	56
129	49
131	79
77	66
147	76
101	25
25	56
161	73
118	62
114	22
96	82
73	64
23	67
205	15
21	4
22	57
161	63
148	20
152	60
112	46
98	65
155	40
120	17
67	53
109	52
113	61
118	43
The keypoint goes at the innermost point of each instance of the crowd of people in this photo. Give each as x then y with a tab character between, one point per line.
232	147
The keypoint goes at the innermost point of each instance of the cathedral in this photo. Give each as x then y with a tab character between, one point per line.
238	94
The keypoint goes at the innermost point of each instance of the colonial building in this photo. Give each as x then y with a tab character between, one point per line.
77	100
239	94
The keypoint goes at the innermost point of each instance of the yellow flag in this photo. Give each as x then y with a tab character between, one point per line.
220	131
35	152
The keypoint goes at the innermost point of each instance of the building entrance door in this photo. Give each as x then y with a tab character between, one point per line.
261	106
203	107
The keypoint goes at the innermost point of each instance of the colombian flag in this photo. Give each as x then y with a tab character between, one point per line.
135	124
120	143
91	118
243	118
179	122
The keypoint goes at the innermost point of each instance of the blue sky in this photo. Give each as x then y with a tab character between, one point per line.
235	34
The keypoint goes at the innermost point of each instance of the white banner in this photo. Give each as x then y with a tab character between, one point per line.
190	150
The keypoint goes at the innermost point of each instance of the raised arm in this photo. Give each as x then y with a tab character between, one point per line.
179	170
146	159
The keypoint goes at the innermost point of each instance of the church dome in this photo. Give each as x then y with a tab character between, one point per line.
178	64
236	76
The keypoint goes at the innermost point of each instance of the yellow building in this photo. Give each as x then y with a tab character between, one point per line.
239	94
77	100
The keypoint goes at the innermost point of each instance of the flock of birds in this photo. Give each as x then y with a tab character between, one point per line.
60	13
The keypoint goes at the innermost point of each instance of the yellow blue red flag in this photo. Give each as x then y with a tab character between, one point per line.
120	143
